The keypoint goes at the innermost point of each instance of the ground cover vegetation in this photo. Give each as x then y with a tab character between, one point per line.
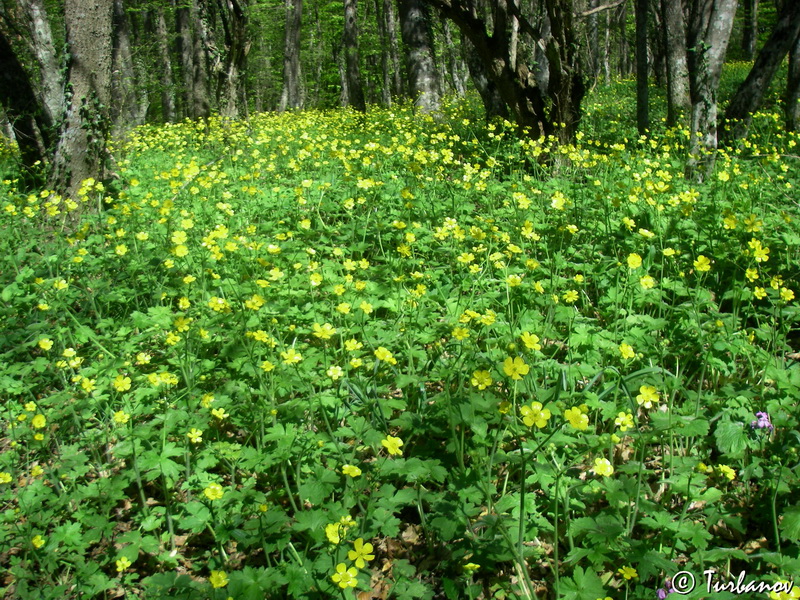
328	354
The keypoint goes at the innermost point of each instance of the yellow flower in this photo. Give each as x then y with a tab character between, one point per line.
577	419
121	383
291	356
626	351
335	372
628	572
213	492
343	307
787	295
726	472
647	396
702	264
366	307
39	421
460	333
121	250
759	292
634	261
121	417
383	354
332	532
535	414
5	477
531	341
604	468
179	237
624	421
37	541
218	579
219	413
481	379
195	435
785	593
571	296
122	564
392	445
751	274
45	343
515	368
345	577
647	282
351	470
361	553
323	332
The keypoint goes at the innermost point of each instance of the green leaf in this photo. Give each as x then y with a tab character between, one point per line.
731	438
790	524
583	585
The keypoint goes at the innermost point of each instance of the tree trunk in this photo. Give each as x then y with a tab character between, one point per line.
355	91
422	77
566	89
292	95
594	43
231	92
200	104
29	121
167	90
81	148
750	31
678	100
129	106
750	94
709	33
185	48
624	46
458	70
43	48
394	47
386	79
793	89
607	50
642	83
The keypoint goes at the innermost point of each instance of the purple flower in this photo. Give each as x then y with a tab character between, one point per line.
762	422
662	593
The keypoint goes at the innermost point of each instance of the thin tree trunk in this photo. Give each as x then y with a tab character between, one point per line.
43	48
27	117
750	94
458	69
750	31
129	108
607	50
709	33
793	89
514	39
355	90
185	48
416	32
642	83
167	88
230	89
624	46
594	43
81	148
386	80
200	92
678	100
292	97
394	47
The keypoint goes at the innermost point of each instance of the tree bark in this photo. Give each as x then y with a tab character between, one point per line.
750	31
750	94
28	120
709	33
642	83
793	88
200	44
130	104
415	28
292	94
678	100
167	88
81	152
43	48
390	20
355	90
231	92
185	48
458	69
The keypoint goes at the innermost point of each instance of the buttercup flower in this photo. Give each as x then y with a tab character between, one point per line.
351	470
535	414
604	468
345	577
392	445
628	572
122	564
213	492
577	419
481	379
218	579
515	368
361	553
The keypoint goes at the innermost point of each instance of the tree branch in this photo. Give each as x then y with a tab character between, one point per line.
597	9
